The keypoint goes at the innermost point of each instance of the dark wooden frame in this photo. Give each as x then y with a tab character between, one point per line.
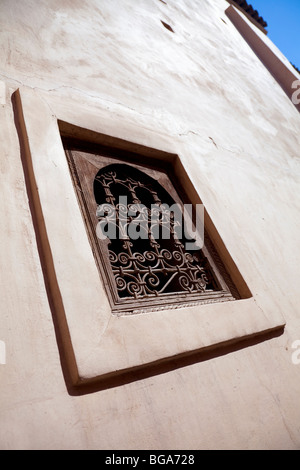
103	155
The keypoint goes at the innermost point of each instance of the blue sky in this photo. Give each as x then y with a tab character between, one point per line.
283	18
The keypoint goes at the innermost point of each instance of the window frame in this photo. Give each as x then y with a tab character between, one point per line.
227	290
97	347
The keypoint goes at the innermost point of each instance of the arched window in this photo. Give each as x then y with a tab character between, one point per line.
140	237
147	238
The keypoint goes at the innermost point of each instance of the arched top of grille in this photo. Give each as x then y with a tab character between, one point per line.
127	180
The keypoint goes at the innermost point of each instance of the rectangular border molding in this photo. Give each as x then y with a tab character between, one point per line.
97	346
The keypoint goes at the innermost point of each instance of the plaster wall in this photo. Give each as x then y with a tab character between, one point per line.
204	89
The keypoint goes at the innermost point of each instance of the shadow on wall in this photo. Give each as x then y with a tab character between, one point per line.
172	364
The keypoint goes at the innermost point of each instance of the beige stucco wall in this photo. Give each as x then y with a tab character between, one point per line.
239	136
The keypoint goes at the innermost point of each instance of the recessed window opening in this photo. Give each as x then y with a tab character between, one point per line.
138	227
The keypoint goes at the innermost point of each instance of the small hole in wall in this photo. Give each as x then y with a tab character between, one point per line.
162	1
167	26
223	20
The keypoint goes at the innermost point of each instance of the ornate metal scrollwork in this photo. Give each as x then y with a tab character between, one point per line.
146	265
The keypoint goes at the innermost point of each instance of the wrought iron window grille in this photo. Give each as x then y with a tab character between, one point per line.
144	262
